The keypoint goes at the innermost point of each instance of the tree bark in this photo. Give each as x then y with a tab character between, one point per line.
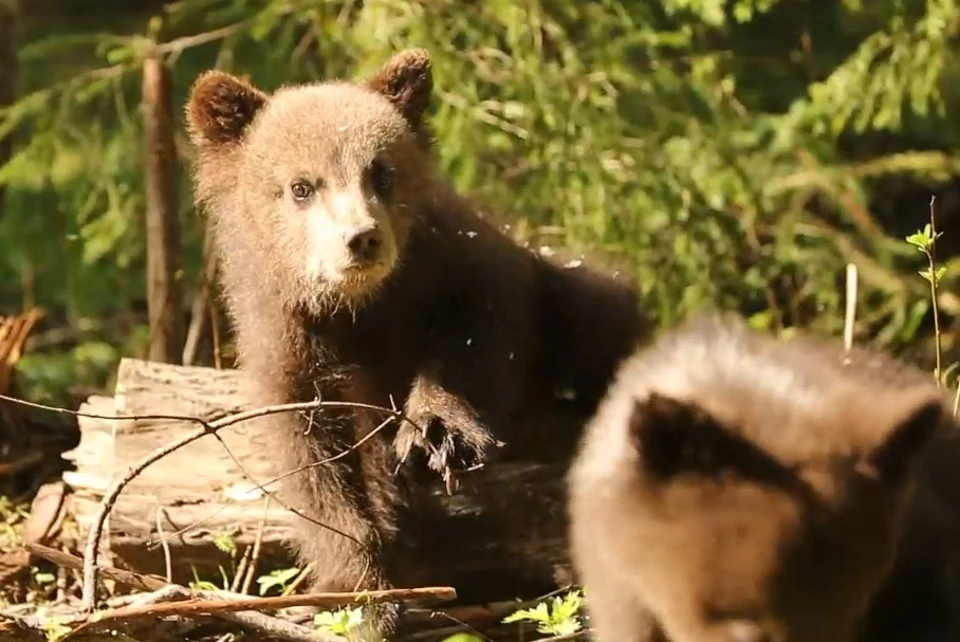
162	217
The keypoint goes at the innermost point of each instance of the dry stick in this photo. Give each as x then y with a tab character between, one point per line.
241	569
121	576
851	308
167	561
270	625
277	628
161	590
215	603
255	557
300	579
200	308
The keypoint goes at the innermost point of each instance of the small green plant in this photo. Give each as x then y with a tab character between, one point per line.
279	577
224	542
205	585
558	616
925	241
463	637
42	578
339	621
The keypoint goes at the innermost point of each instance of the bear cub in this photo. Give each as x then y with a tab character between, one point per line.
353	271
736	488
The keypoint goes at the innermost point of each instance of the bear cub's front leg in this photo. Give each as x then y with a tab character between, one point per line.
446	427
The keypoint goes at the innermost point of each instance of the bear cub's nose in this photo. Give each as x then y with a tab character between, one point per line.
364	244
747	631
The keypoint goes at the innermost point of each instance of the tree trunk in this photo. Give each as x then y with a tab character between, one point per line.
162	218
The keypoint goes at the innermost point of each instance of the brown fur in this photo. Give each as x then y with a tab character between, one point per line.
471	335
736	488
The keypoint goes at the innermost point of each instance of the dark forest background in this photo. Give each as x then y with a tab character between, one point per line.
729	153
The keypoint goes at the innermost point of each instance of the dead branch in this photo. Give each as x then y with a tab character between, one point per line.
245	610
127	578
214	602
272	626
277	628
255	556
233	607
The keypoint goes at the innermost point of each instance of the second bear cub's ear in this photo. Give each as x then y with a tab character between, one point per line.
220	108
915	418
406	80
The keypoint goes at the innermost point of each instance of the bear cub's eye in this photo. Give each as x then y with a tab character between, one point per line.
381	177
301	190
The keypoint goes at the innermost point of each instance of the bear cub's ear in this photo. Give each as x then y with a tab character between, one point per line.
406	80
916	417
220	108
676	437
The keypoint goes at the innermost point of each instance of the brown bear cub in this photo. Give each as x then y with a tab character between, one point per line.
352	271
736	488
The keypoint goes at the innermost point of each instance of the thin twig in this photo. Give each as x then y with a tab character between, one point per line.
241	571
255	557
276	628
850	317
178	45
167	561
300	579
932	255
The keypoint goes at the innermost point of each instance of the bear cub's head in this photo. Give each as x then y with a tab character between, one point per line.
318	181
741	488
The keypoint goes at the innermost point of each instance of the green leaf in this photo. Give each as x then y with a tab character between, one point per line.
224	542
276	578
463	637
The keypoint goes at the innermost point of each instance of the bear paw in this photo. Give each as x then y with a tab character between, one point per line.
450	435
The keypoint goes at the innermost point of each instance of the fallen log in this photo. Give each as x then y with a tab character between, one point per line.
501	535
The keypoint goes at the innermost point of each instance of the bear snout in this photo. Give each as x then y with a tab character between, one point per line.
747	631
365	243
